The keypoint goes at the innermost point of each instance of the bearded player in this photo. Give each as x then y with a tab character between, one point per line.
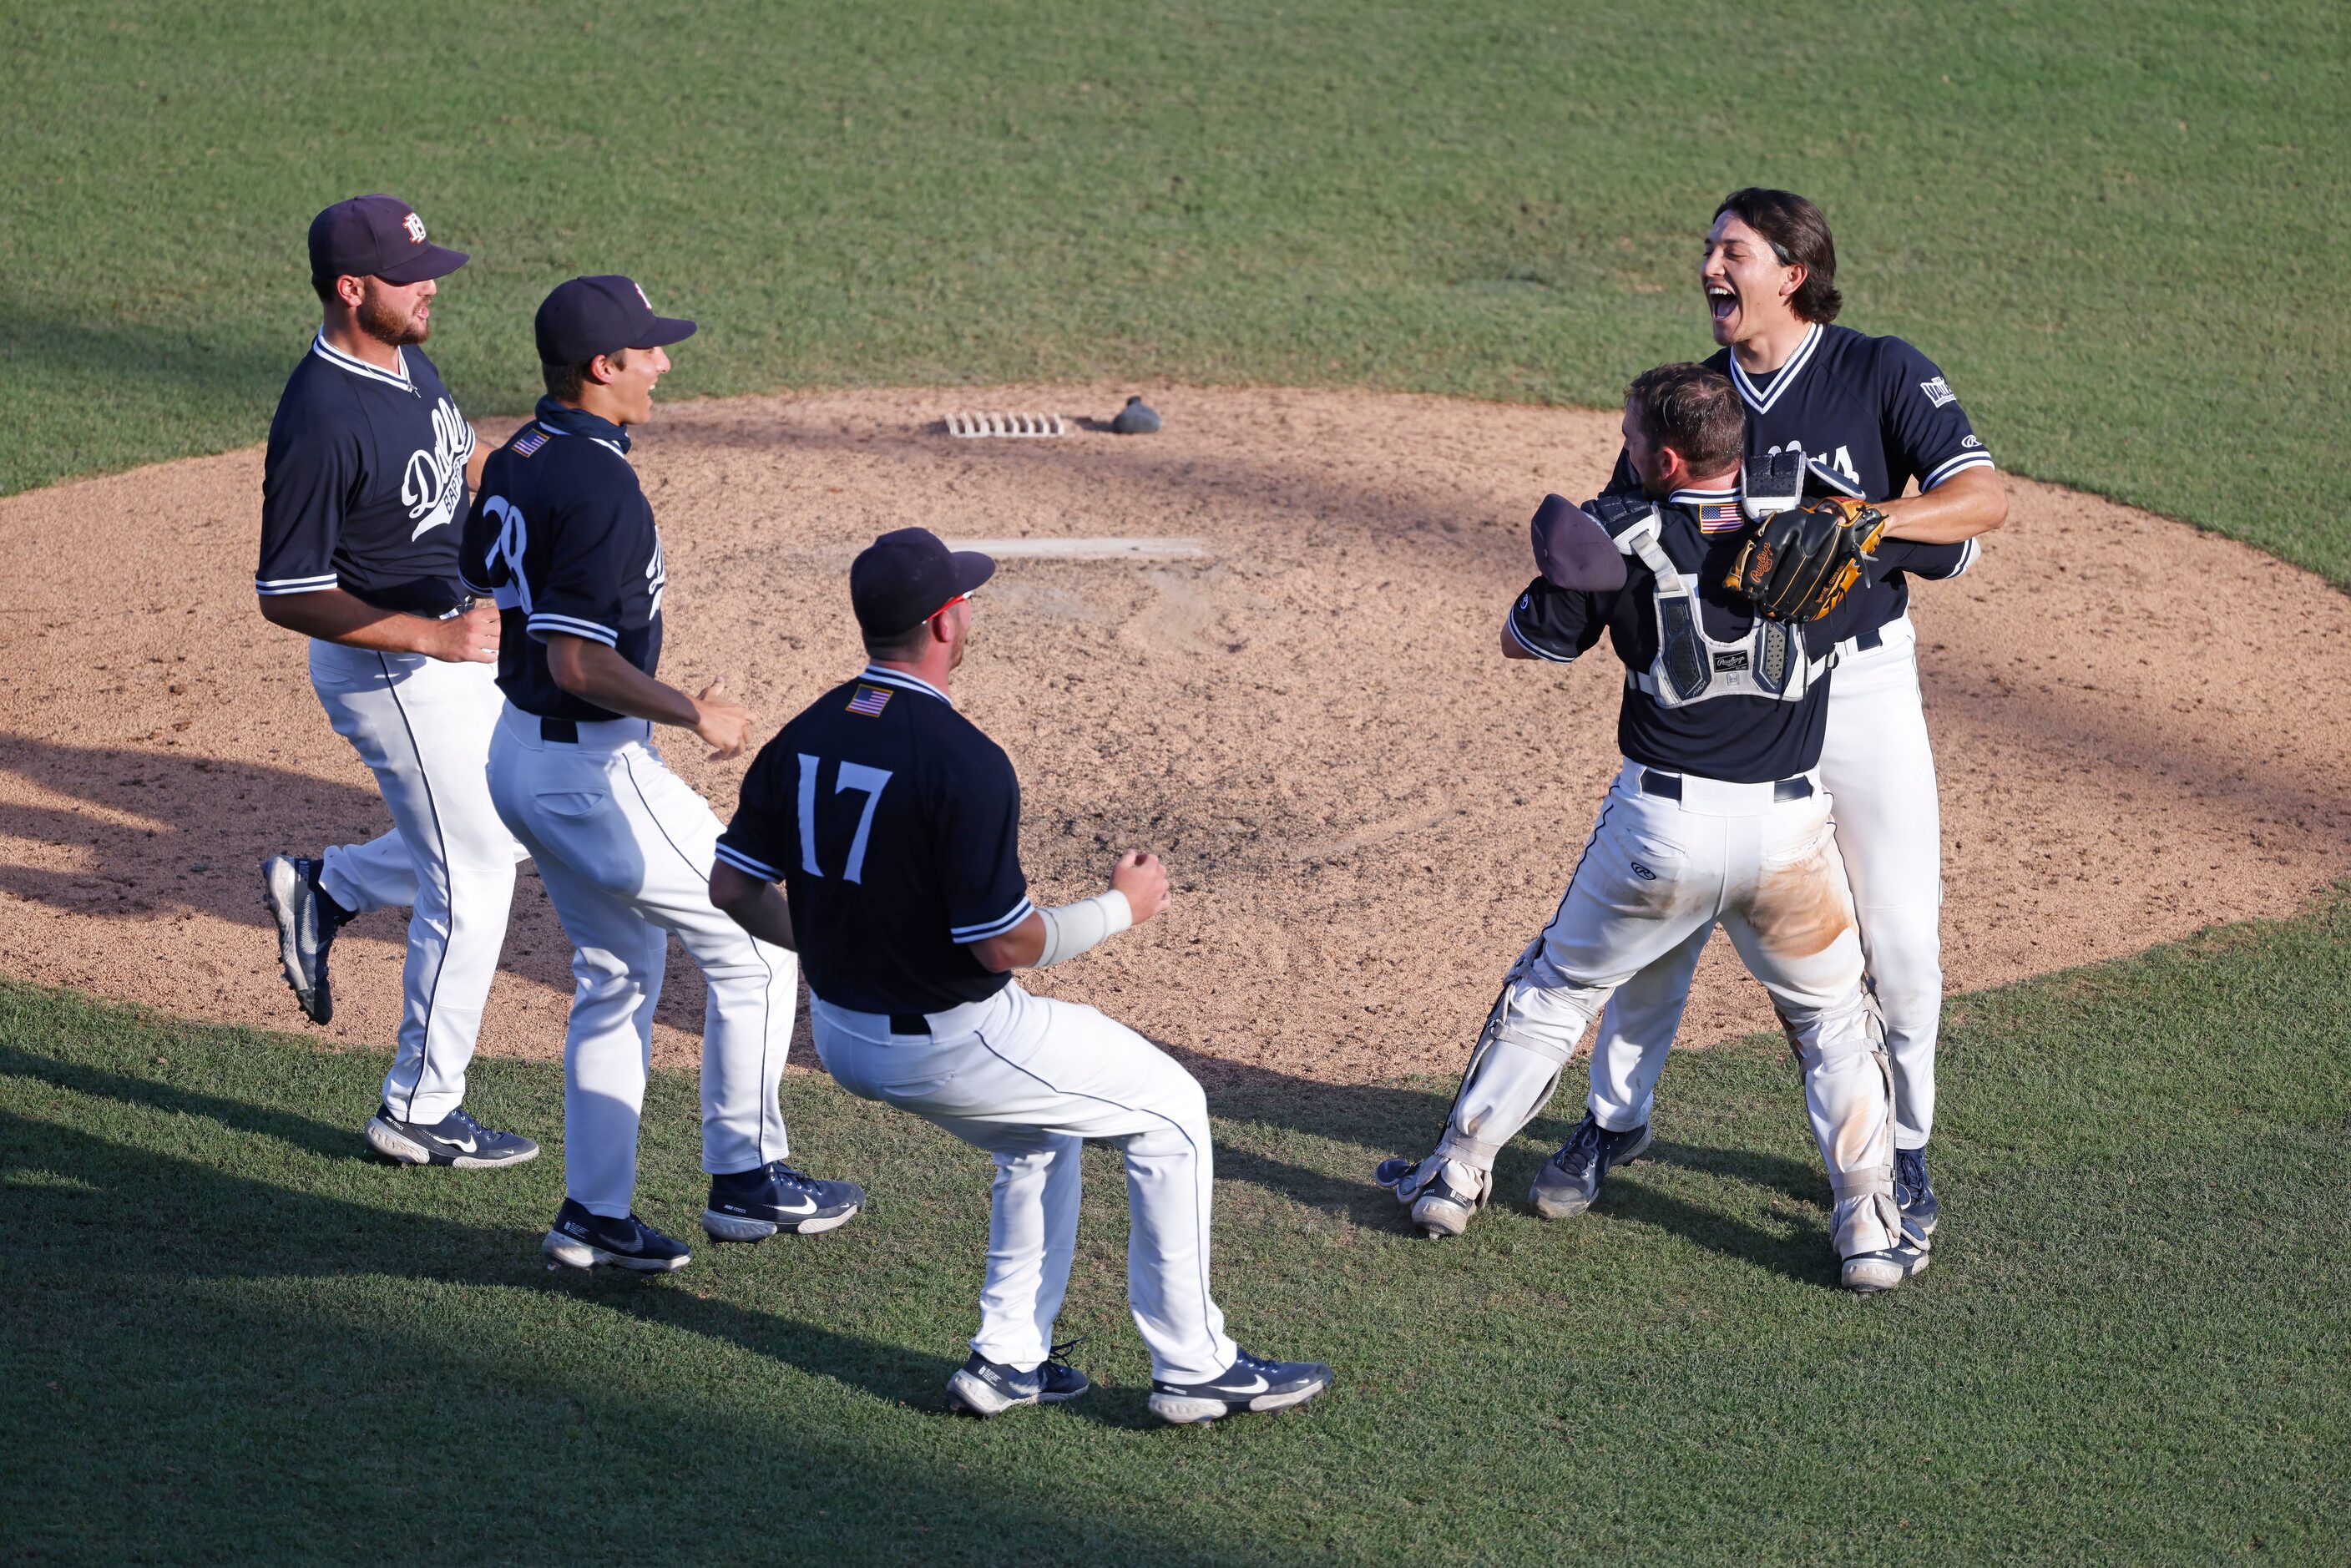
1876	415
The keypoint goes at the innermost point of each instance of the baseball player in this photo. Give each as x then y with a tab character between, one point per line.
895	826
362	494
563	538
1876	414
1717	815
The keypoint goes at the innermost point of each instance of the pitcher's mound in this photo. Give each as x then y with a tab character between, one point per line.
1262	642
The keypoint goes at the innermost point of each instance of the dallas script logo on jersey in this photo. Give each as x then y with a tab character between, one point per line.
434	479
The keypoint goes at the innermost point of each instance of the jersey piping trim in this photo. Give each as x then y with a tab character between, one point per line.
270	587
1964	460
1511	625
1782	379
1691	498
612	446
964	936
1966	558
747	864
899	678
571	628
342	361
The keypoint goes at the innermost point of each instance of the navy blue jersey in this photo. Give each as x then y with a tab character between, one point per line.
1875	411
563	538
364	476
1741	740
895	826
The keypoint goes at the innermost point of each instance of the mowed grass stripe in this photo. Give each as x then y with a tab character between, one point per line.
2108	222
230	1335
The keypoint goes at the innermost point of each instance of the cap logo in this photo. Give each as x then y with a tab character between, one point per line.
415	227
641	292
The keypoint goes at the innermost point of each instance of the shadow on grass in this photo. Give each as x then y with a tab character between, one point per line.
1408	1119
425	1247
545	1434
310	1235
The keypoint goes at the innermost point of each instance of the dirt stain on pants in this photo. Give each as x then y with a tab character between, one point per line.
1800	909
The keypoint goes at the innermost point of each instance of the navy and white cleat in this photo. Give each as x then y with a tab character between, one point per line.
1251	1382
1569	1180
1865	1273
985	1388
307	923
1438	1206
752	1205
455	1139
579	1239
1916	1193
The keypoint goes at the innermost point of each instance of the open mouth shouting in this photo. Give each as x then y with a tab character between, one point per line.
1721	302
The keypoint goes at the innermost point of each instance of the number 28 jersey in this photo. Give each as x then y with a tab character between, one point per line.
895	826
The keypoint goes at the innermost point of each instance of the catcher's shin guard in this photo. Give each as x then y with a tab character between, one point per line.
1849	1089
1513	1069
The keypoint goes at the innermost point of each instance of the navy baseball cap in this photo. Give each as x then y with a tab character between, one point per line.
377	236
909	575
591	316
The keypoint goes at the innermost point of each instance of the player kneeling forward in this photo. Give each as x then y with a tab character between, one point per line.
1718	814
893	825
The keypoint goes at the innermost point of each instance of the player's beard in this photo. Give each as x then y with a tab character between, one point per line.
387	326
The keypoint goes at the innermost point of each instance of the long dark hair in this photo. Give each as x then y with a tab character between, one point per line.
1798	236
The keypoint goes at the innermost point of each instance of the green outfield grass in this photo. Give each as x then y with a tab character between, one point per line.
229	1335
2110	222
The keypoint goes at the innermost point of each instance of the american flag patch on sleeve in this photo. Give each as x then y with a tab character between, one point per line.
870	700
530	441
1717	516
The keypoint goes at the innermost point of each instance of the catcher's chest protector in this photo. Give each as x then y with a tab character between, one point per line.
1692	666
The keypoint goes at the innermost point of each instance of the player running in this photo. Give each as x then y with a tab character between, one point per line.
1877	415
895	826
362	494
564	538
1717	815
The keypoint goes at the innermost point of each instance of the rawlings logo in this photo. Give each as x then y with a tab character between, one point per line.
1939	391
1644	872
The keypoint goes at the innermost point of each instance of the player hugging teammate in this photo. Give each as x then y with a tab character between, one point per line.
1875	415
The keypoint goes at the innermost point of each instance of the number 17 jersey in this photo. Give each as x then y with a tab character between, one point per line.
894	827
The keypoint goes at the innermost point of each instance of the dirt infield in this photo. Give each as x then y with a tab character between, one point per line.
1291	688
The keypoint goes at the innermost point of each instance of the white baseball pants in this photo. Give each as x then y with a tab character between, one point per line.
1655	872
1030	1079
423	726
1880	768
625	847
